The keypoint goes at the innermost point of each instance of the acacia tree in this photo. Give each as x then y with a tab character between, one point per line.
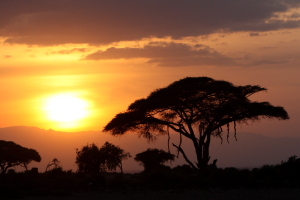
197	108
153	159
12	154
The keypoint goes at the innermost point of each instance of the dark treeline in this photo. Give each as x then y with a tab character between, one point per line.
59	182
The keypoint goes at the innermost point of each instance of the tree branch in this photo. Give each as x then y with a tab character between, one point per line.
185	157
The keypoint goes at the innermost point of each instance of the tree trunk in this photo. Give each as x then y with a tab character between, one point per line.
202	150
201	146
121	167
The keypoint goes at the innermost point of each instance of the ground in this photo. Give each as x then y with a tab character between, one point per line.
178	194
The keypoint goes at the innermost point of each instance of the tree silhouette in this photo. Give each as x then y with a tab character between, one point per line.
88	159
54	164
107	158
153	159
12	154
196	108
113	156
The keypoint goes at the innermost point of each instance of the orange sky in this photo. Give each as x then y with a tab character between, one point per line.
110	53
30	74
110	58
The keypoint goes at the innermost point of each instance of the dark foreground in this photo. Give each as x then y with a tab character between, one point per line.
268	182
178	194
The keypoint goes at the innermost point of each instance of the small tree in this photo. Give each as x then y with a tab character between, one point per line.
197	108
88	159
107	158
153	159
54	164
113	156
12	154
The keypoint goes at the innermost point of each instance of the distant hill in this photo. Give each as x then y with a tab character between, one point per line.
251	150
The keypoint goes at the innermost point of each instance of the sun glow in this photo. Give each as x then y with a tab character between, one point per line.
66	108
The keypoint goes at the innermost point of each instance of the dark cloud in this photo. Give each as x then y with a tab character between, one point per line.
167	55
51	22
173	54
153	50
254	34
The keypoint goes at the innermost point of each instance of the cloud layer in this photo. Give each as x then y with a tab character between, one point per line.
173	54
52	22
167	54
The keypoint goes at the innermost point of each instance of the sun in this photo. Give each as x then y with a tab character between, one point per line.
66	108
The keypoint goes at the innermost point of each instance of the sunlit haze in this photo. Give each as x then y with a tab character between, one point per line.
66	108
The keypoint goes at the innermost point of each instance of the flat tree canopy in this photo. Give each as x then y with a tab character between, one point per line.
12	154
153	159
196	108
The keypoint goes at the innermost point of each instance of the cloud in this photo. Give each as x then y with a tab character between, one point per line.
52	22
173	54
69	51
152	50
167	55
294	15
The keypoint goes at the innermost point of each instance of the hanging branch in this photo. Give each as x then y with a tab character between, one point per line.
228	132
234	123
219	134
168	131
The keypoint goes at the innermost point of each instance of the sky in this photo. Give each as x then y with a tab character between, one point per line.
102	55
